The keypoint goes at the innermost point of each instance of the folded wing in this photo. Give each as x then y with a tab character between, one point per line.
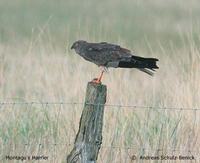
111	55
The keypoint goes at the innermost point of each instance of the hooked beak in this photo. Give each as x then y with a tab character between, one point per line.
72	47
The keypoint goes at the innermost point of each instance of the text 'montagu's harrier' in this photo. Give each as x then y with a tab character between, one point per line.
111	55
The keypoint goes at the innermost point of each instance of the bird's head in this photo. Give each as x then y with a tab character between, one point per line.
78	44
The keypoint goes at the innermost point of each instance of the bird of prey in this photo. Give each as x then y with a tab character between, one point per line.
110	55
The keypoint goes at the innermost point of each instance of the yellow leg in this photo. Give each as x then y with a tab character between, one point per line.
100	77
98	81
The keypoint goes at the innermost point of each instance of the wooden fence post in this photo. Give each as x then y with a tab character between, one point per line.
89	137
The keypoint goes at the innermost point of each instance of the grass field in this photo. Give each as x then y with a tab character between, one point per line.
36	64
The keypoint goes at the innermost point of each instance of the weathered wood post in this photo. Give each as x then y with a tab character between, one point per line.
89	137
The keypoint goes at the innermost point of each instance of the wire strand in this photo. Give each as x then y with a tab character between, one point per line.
106	105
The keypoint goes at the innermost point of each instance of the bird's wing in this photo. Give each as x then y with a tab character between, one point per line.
104	46
102	53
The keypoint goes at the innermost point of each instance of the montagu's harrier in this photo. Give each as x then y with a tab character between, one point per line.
111	55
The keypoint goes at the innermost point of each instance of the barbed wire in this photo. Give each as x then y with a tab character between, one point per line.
106	105
110	147
136	148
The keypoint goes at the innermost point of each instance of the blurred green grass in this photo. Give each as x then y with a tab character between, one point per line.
131	22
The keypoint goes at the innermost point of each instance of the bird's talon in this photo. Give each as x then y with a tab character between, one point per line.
96	80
